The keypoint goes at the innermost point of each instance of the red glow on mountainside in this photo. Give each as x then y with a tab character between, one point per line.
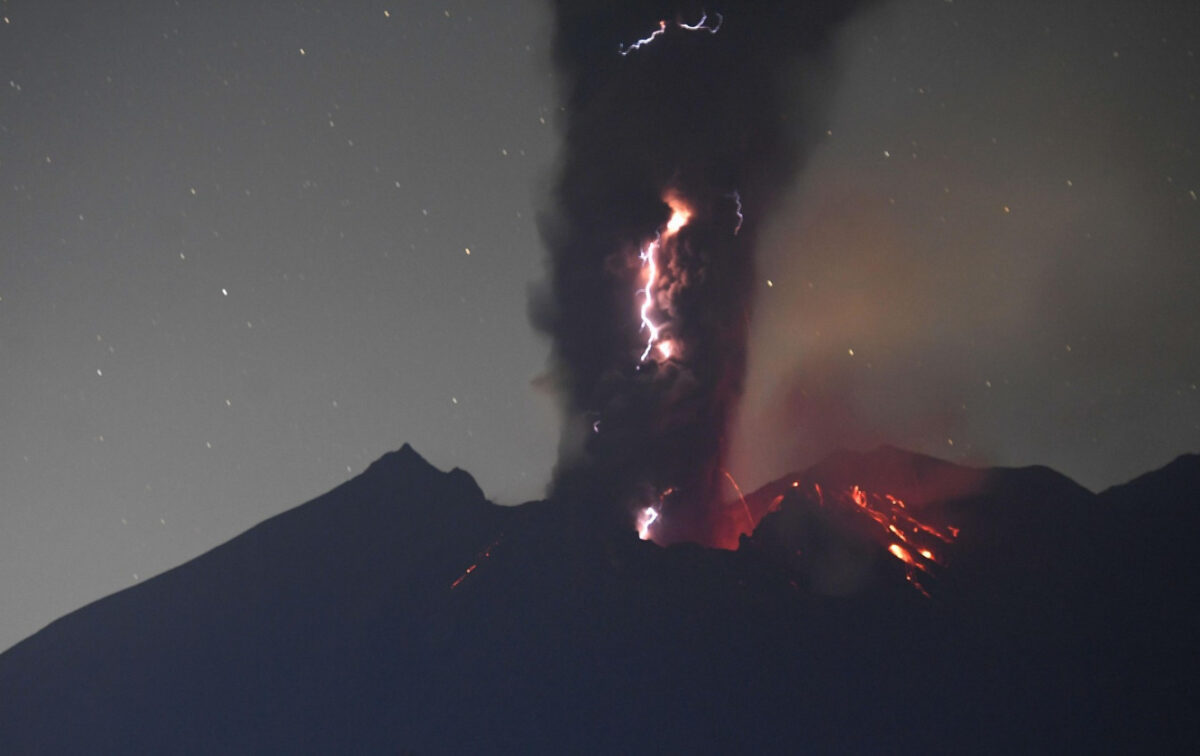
911	540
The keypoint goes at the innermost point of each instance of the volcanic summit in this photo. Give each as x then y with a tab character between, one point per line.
403	612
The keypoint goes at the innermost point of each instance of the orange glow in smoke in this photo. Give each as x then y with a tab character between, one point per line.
656	256
680	214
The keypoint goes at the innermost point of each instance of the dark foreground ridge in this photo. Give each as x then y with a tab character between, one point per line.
1061	622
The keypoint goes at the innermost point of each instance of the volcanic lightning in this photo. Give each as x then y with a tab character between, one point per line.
626	49
650	265
701	25
680	215
646	518
648	307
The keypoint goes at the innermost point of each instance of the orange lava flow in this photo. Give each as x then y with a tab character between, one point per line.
912	541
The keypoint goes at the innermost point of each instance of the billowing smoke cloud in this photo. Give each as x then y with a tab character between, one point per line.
977	266
711	118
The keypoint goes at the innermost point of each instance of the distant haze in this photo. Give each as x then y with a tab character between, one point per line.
992	255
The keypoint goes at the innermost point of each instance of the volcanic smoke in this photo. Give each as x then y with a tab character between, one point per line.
679	135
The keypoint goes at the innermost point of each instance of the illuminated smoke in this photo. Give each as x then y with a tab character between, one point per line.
656	283
648	306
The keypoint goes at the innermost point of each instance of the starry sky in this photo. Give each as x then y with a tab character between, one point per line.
248	247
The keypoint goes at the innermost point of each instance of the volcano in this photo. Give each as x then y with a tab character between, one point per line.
403	612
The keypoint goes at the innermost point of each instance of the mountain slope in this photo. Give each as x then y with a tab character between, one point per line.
353	624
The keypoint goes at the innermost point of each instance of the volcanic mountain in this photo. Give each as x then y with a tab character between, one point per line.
403	612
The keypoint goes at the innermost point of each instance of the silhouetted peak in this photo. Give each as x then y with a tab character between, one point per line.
1036	478
917	478
404	458
404	591
1183	470
405	467
1179	477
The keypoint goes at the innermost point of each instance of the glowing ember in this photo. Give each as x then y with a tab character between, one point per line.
479	559
702	25
742	498
646	518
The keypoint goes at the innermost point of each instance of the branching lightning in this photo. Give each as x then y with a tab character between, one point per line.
650	264
701	25
737	199
680	215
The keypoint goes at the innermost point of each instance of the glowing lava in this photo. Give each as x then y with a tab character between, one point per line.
908	539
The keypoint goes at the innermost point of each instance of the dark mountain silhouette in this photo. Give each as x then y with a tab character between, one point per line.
1059	621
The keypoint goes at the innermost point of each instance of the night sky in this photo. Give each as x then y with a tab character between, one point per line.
248	247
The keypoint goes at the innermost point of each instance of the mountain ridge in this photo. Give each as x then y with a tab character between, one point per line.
403	609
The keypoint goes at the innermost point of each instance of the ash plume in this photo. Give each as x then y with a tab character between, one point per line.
704	108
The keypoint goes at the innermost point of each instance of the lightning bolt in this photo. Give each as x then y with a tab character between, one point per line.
651	265
701	25
680	215
661	30
737	199
646	518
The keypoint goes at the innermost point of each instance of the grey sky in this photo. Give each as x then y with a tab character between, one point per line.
234	272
